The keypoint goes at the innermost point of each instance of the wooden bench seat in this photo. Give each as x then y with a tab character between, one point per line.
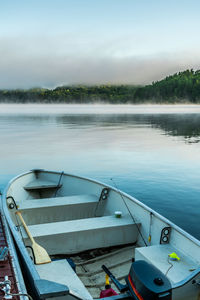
79	235
39	211
158	256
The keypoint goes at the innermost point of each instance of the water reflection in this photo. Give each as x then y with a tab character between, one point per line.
186	125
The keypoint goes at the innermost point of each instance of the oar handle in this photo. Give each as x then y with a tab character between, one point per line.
25	227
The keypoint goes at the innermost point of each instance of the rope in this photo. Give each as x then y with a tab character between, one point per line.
171	265
27	295
19	226
58	183
130	212
149	238
33	258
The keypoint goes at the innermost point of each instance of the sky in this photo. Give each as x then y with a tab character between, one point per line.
46	43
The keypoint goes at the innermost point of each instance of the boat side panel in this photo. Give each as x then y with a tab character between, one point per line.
16	188
190	290
72	185
186	245
151	225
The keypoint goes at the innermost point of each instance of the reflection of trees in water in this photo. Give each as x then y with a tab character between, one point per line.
184	125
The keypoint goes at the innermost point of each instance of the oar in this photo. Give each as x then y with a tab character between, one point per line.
41	255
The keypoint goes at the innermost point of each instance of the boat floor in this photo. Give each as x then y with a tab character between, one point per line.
88	266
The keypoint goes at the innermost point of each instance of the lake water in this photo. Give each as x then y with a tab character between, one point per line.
150	152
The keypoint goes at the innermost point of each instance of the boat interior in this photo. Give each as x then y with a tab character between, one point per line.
71	217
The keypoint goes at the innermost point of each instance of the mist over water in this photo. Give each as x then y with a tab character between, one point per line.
151	152
96	108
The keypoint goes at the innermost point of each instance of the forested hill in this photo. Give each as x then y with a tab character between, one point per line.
178	88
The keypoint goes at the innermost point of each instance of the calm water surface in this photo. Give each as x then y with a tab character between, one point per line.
150	152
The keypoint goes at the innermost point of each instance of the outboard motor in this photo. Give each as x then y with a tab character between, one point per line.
146	282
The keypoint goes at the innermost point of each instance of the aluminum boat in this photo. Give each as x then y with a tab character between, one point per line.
71	231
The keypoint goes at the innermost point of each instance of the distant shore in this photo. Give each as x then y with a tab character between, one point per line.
180	88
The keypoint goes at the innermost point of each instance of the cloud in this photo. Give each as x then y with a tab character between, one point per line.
49	62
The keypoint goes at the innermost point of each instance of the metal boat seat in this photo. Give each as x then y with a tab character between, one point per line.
84	234
41	185
39	211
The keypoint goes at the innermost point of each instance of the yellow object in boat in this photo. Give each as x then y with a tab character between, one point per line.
174	256
107	280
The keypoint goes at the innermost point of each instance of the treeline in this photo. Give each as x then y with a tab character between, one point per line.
180	87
